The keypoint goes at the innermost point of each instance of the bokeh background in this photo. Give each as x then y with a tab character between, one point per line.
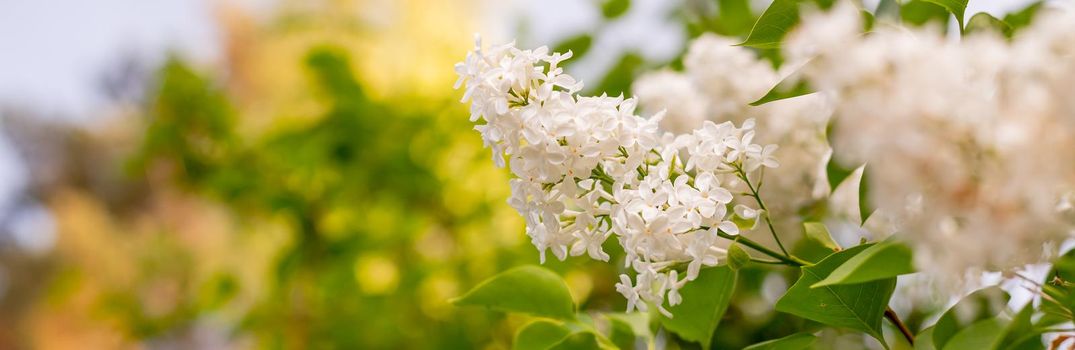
214	174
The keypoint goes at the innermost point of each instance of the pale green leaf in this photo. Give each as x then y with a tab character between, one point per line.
856	306
527	289
881	261
795	341
924	340
773	24
982	22
737	257
818	232
704	302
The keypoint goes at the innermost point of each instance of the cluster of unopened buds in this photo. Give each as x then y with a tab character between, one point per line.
586	169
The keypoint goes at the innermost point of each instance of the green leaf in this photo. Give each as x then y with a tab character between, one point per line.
956	7
924	340
984	334
881	261
1059	289
1022	18
919	12
773	25
736	18
539	335
1020	333
888	10
835	172
615	8
578	341
980	305
639	322
865	209
818	232
868	20
578	45
795	341
526	289
704	302
622	333
618	79
982	22
792	86
737	257
856	306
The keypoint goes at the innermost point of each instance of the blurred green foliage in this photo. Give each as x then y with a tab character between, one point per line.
349	187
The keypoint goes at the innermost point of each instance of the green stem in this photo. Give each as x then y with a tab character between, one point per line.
761	205
786	259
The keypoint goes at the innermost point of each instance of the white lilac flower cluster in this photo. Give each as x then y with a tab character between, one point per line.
587	168
718	83
969	140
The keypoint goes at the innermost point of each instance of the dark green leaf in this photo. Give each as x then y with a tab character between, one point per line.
980	305
881	261
857	306
956	7
704	302
615	8
540	335
527	289
817	231
737	257
795	341
773	24
982	21
984	334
